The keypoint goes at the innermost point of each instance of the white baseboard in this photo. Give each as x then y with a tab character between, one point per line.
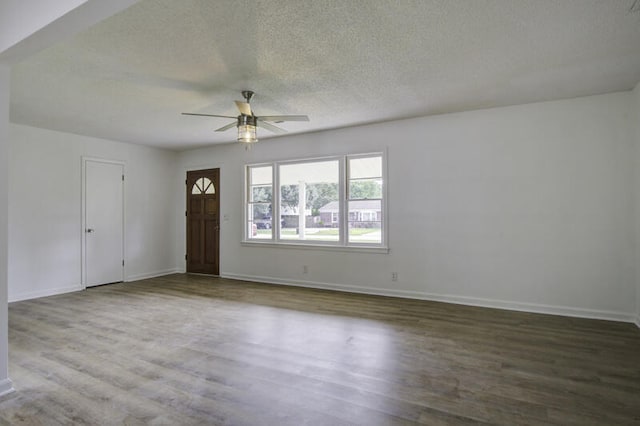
43	293
62	290
460	300
155	274
6	387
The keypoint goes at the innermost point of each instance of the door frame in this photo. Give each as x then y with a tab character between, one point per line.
83	215
221	217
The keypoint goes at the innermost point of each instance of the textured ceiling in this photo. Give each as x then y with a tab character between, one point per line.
342	62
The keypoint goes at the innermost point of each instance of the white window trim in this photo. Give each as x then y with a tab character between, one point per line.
343	244
312	245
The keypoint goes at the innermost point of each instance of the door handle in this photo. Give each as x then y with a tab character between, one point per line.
89	230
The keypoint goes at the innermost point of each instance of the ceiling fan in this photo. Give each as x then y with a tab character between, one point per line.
247	122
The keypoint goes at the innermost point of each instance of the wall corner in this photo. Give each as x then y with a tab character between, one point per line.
635	114
5	383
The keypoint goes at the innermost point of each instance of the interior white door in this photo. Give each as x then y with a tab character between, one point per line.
103	233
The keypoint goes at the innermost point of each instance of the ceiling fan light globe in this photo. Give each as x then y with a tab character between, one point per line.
247	133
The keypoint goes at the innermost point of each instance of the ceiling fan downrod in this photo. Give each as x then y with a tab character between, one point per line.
247	94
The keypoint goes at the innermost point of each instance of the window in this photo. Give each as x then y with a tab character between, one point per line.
203	186
305	188
337	201
365	199
259	203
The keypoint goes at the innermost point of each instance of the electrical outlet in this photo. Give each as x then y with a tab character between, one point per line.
394	276
305	269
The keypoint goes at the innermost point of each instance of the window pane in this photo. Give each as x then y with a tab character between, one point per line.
309	219
320	171
208	187
289	232
263	233
367	167
260	211
259	221
363	189
365	221
261	194
260	175
197	187
263	221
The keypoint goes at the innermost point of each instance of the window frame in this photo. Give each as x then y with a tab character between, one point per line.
343	243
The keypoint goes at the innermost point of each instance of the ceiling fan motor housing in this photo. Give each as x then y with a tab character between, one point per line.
244	120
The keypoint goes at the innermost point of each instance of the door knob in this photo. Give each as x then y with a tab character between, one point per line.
89	230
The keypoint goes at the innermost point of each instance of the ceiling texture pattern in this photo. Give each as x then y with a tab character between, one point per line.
341	62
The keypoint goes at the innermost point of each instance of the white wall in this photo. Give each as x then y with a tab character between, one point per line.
5	383
45	209
526	207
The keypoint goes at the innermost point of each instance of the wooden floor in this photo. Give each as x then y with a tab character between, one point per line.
182	350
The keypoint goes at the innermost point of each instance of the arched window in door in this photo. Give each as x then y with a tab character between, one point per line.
203	186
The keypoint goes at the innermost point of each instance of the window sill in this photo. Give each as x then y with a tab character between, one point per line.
311	246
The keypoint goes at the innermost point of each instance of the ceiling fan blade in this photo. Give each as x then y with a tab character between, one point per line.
244	108
207	115
271	127
227	127
283	118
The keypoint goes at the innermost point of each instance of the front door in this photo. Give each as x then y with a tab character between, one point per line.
104	219
203	221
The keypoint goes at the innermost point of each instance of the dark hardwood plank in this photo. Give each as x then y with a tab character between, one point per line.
186	349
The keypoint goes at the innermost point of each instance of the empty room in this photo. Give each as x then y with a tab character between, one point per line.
278	212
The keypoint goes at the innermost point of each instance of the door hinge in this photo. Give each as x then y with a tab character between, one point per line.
185	181
123	178
122	262
185	212
185	257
